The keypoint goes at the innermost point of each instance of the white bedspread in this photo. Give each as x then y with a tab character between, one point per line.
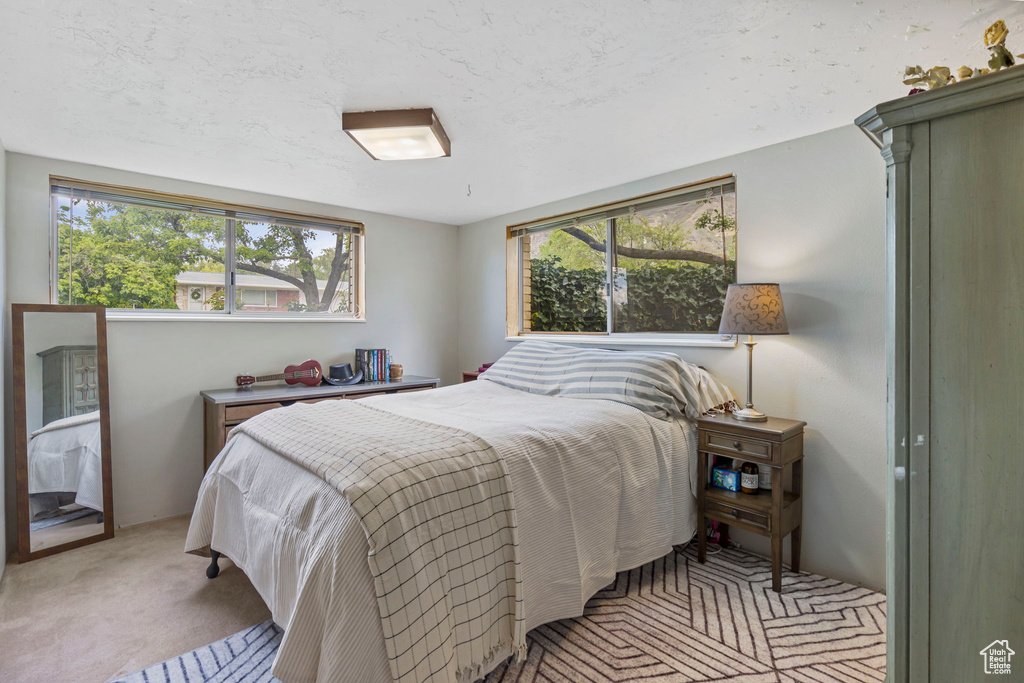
64	456
598	486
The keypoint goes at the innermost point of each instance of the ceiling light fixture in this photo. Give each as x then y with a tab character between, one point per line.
400	134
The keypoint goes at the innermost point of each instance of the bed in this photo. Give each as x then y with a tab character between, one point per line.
64	457
600	486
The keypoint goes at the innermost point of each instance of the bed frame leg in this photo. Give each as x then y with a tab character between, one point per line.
213	570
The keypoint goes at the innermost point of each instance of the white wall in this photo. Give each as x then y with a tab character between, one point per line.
811	216
158	368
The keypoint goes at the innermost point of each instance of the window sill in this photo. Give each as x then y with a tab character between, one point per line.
704	340
118	316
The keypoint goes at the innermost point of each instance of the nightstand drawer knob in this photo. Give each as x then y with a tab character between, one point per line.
737	445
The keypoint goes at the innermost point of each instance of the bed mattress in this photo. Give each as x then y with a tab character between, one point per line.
598	487
65	456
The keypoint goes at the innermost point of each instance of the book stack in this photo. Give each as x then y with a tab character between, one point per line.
373	363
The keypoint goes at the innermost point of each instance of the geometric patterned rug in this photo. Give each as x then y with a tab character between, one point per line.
245	656
677	620
671	620
61	519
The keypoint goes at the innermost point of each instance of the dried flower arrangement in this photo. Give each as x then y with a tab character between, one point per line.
938	76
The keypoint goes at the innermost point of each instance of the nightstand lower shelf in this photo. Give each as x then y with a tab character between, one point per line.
751	512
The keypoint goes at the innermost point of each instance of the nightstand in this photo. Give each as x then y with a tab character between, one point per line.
777	444
470	376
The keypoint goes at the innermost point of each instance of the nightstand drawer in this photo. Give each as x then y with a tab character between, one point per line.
738	446
754	519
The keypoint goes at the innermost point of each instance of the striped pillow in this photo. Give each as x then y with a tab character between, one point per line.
657	383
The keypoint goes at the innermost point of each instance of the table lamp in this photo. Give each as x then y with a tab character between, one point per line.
753	308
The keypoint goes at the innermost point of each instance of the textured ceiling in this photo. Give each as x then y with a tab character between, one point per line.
542	99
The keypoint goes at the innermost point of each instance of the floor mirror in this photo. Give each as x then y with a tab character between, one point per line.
62	428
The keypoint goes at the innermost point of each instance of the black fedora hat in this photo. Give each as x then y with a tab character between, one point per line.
341	374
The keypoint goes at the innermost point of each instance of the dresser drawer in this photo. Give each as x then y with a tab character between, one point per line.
736	446
244	412
405	391
365	394
753	519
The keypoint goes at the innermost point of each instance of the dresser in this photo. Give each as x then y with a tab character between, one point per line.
70	383
223	409
955	352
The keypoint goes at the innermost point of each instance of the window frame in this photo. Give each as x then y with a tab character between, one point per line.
230	212
515	278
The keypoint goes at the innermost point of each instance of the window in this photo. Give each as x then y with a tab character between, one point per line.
137	250
674	256
259	298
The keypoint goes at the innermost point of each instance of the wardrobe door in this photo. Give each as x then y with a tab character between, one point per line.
974	354
83	383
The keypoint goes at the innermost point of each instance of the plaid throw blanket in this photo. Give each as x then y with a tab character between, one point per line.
437	510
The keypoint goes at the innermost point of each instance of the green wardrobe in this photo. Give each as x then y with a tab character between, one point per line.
955	327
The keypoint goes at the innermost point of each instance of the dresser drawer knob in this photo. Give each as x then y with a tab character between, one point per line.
737	445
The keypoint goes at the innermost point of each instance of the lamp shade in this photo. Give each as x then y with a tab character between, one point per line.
754	308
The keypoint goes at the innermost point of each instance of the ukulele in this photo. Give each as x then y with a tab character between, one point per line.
309	373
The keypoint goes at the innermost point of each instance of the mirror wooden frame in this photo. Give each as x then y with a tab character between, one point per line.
18	311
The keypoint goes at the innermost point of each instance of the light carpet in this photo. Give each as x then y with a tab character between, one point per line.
105	610
670	620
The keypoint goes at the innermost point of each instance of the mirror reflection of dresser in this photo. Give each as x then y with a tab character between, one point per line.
70	385
62	428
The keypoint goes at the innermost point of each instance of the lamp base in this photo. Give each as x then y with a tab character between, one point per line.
749	415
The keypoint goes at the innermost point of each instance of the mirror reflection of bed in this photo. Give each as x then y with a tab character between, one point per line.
65	482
